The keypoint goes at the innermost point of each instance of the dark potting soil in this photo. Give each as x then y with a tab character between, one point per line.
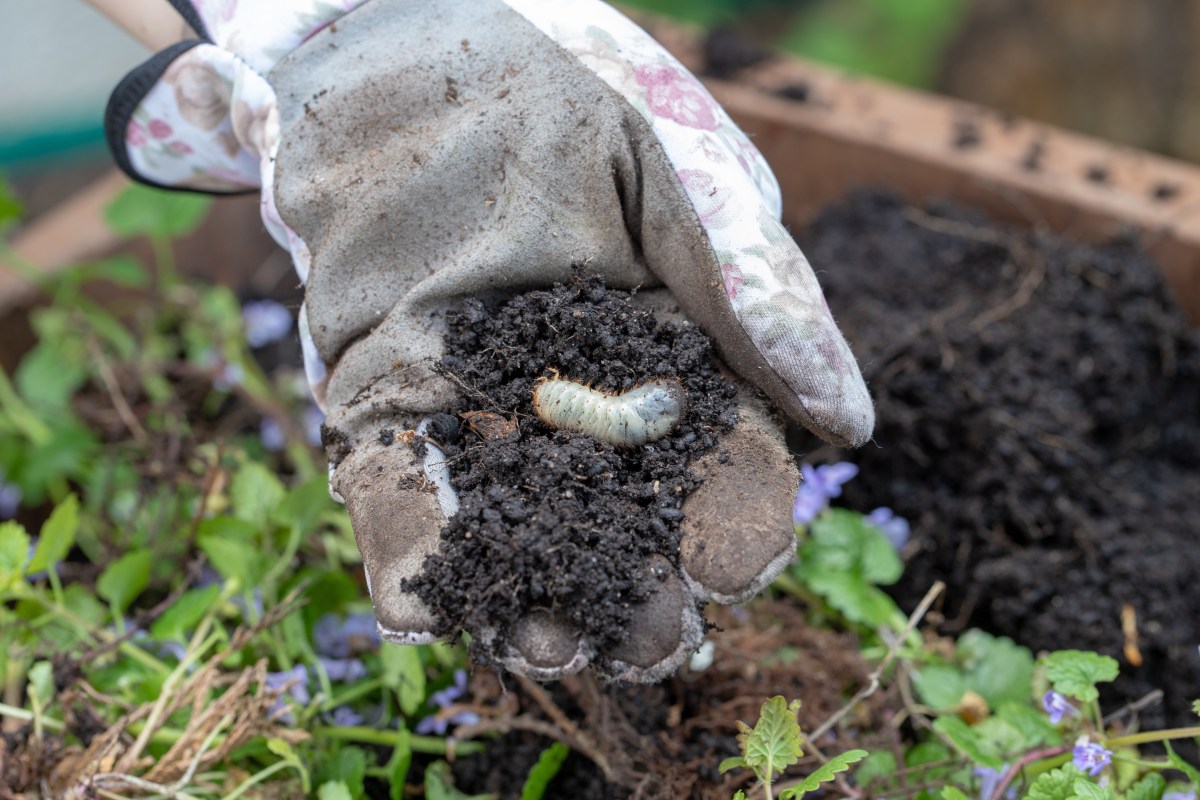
551	519
1038	423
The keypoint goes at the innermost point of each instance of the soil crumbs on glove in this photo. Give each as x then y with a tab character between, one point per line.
1039	424
554	520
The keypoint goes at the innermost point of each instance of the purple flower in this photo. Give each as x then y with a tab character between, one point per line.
294	682
266	321
438	723
1090	756
229	376
894	528
821	484
346	717
1179	796
989	779
343	670
1057	706
10	499
336	637
271	435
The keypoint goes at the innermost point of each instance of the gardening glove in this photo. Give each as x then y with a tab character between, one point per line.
411	155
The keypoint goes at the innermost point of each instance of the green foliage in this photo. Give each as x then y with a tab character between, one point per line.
994	667
1057	784
1075	673
773	744
1087	790
14	551
143	211
968	741
57	535
844	560
1151	787
10	207
547	766
826	772
124	579
404	674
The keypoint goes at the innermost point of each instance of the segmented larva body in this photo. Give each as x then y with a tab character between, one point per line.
628	419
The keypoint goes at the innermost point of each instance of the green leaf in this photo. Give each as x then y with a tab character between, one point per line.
739	795
255	492
826	772
439	784
854	598
50	374
842	541
403	672
183	616
1151	787
1076	672
952	793
399	763
879	764
995	667
124	579
966	741
1196	707
733	762
304	505
773	744
347	767
547	766
334	790
57	535
232	550
154	212
1035	727
41	683
1183	766
940	686
1057	784
14	550
1086	790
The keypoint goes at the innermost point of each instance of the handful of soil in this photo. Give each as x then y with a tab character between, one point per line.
554	520
1039	424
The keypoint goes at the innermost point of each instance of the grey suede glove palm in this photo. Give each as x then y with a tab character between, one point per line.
414	154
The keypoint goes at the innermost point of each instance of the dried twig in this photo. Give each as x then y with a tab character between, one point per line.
875	676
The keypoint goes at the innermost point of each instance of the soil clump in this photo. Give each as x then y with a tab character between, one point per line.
1038	423
550	519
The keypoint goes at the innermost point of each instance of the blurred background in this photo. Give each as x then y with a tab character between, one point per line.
1124	71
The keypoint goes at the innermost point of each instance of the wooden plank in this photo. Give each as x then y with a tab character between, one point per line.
850	132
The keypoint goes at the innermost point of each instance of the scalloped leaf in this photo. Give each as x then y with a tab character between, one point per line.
1076	672
773	744
826	772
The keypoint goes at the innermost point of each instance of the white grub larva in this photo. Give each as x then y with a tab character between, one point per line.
633	417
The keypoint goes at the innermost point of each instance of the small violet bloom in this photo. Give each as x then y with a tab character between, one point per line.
989	779
346	717
336	637
266	321
343	670
271	435
821	484
10	499
1090	757
438	723
1179	796
296	681
1057	706
894	528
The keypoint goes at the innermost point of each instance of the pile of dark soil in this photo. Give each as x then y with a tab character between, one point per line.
551	519
1039	424
666	741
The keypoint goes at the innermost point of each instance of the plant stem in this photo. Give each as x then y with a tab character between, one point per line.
430	745
25	715
1150	736
1020	764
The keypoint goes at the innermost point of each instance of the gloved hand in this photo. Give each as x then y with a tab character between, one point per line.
414	154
